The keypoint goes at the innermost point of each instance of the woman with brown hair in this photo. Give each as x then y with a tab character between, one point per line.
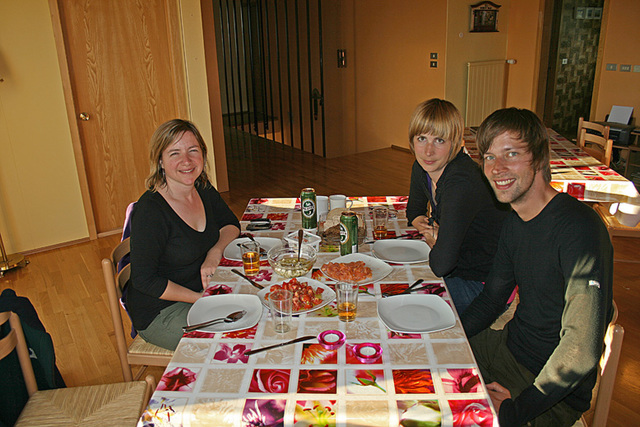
179	229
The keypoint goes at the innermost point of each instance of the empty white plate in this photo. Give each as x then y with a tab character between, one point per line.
416	313
217	306
401	251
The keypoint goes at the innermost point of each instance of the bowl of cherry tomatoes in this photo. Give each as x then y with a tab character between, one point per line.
308	294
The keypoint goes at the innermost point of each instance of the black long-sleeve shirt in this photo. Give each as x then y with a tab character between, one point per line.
469	216
562	262
164	247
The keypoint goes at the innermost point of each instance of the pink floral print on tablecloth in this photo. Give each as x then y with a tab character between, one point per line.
250	216
248	333
178	379
270	381
473	412
217	290
263	412
315	354
317	381
278	216
229	354
461	381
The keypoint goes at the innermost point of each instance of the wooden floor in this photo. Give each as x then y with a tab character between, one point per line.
67	289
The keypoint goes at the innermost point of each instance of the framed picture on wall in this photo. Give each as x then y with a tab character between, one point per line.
484	17
580	13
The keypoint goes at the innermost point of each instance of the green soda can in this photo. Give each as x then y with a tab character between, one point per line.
348	233
308	207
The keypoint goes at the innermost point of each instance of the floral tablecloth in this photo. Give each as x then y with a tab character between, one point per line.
431	377
575	172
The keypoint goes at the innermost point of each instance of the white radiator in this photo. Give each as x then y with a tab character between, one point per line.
486	89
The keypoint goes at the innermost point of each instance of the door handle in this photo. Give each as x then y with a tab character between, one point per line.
317	98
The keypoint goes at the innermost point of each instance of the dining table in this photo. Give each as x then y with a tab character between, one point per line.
417	378
575	172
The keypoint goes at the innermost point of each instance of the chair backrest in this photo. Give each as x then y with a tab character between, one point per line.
597	147
601	130
608	372
114	293
15	340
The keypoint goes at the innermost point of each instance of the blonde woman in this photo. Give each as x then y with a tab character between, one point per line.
465	219
179	229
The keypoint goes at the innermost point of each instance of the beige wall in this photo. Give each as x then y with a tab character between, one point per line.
621	39
523	45
393	40
40	200
464	47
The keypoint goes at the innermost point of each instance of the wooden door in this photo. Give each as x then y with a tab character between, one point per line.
127	77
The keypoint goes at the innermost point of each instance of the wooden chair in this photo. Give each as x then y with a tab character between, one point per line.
599	147
115	404
139	352
597	127
608	370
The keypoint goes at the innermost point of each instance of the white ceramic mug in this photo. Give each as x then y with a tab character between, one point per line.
322	205
626	213
340	201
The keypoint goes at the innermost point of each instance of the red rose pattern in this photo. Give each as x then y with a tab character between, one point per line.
471	413
270	381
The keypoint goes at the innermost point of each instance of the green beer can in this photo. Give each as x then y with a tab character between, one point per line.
348	233
308	207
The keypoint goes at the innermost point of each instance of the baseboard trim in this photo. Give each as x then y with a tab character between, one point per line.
400	148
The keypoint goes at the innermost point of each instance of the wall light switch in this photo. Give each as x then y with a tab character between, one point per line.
612	67
433	64
433	55
636	68
626	68
565	61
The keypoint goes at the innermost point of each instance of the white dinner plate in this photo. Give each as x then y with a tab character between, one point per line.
401	251
216	306
232	251
416	313
379	269
328	294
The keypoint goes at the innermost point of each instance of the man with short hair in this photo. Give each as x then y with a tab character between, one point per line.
542	367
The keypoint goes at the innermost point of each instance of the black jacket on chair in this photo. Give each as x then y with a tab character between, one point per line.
13	391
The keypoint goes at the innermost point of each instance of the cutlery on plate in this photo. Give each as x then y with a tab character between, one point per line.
402	236
269	347
406	291
233	317
262	251
421	288
247	278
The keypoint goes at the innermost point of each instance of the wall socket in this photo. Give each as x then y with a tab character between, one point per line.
626	68
612	67
636	68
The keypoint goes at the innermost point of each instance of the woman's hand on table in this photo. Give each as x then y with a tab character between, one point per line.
427	228
227	234
497	393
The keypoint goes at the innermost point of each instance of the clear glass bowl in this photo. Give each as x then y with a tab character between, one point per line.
284	260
